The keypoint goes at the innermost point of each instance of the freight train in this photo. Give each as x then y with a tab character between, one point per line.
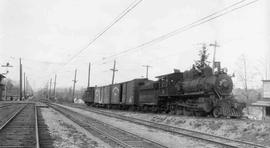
200	91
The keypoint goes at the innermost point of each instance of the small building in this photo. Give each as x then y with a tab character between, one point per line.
264	104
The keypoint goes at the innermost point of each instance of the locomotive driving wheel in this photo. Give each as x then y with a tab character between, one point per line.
216	112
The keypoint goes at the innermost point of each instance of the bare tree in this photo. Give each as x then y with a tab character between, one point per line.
244	75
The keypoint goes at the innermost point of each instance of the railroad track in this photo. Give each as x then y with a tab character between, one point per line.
45	140
6	105
223	141
21	129
115	137
6	112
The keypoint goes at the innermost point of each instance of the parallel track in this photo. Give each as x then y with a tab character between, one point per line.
115	137
6	105
45	140
20	130
181	131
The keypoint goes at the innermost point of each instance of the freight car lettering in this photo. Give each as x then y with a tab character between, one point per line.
115	91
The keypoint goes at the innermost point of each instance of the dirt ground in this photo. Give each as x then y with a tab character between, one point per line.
164	138
67	134
248	130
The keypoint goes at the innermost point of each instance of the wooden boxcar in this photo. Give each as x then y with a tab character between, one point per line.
88	96
148	95
130	91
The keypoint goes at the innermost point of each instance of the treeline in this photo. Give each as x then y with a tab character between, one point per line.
249	96
61	94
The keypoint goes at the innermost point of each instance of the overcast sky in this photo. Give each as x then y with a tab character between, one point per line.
47	33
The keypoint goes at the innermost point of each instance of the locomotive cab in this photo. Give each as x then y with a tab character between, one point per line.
168	84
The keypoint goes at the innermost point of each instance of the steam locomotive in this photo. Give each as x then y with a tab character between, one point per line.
200	91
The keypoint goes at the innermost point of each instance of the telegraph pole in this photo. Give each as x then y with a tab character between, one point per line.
74	82
89	69
147	68
20	79
54	86
50	88
114	70
214	56
24	85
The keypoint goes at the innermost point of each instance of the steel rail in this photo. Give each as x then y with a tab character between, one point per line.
6	105
12	117
115	139
36	128
177	130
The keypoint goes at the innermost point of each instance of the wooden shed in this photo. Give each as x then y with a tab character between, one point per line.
264	104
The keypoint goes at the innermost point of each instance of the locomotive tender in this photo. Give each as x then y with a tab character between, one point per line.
200	91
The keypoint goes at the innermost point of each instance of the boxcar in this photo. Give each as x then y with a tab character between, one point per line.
88	96
130	91
148	95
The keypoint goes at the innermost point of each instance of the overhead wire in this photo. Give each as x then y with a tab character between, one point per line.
117	19
202	20
196	23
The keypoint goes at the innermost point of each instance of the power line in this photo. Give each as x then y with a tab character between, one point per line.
203	20
117	19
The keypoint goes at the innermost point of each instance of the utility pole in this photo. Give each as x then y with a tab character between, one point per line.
74	82
114	70
147	68
24	86
20	79
215	45
89	69
245	75
50	88
54	86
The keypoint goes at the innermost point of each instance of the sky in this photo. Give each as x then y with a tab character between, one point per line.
46	34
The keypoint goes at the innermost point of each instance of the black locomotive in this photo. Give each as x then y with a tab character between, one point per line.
200	91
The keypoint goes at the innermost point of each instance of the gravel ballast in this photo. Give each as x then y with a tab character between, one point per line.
164	138
248	130
68	134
